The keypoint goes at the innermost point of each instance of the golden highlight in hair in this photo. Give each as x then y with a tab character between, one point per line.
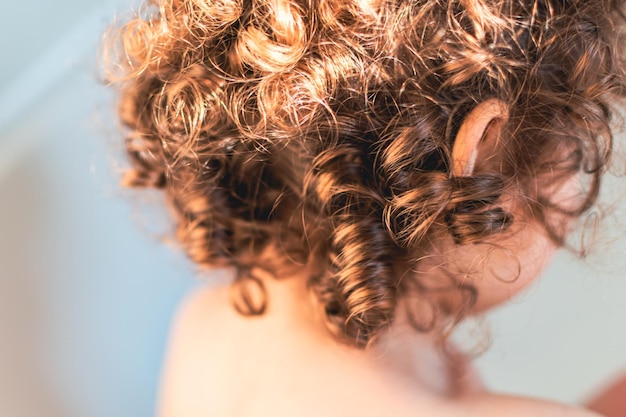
324	129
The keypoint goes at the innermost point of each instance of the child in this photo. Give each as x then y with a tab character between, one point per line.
373	172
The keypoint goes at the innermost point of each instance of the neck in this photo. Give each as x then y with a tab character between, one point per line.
401	352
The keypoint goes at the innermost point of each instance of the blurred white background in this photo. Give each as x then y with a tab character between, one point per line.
87	289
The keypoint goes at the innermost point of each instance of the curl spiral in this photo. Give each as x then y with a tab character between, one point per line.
324	128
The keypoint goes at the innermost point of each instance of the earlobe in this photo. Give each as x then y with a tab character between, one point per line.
474	130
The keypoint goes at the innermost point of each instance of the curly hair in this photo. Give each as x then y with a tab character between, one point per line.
324	129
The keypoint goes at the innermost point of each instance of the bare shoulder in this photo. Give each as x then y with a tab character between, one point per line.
494	405
209	342
201	317
200	303
189	364
198	314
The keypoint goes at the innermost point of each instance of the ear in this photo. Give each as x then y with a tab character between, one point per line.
480	128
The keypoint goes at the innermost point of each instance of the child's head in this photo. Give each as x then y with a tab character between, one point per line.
376	142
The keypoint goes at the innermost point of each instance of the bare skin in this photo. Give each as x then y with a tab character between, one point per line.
612	400
285	364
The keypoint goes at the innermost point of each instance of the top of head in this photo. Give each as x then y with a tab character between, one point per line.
350	134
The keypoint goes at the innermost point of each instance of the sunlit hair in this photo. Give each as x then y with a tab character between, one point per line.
323	129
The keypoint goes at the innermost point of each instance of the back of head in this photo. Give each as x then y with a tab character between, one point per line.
324	130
